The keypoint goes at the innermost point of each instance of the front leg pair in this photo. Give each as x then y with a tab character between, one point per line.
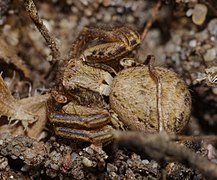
112	44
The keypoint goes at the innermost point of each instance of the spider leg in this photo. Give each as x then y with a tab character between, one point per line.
90	34
92	136
106	52
92	121
80	122
117	42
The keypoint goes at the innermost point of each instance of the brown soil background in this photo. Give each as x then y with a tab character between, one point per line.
175	39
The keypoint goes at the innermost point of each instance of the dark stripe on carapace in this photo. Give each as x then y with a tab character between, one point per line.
121	49
101	53
94	52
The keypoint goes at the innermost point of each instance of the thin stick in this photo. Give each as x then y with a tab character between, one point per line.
161	148
195	138
33	13
151	20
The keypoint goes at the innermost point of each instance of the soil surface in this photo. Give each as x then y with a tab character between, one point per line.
183	38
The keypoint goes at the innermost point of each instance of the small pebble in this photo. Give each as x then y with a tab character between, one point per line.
111	168
189	12
214	90
69	2
199	14
106	3
74	156
193	43
86	162
155	165
212	27
1	142
212	38
54	167
145	161
210	55
3	163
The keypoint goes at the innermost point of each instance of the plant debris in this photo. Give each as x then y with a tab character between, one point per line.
13	108
181	35
29	111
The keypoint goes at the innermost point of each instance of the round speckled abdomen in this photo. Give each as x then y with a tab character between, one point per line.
133	97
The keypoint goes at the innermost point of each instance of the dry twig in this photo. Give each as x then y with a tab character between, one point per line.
153	17
33	13
160	148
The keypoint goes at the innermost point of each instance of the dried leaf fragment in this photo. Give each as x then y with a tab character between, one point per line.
13	108
210	76
37	106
